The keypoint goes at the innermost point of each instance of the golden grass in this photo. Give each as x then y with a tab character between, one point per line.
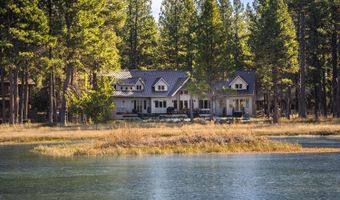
196	144
38	133
137	138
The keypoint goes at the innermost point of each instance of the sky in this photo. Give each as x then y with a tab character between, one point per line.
156	6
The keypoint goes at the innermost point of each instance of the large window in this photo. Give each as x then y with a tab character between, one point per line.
138	105
204	104
183	104
175	104
160	104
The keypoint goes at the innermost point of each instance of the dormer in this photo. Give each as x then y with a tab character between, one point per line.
238	84
131	84
139	85
160	85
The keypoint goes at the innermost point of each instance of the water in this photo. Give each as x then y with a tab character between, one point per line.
24	175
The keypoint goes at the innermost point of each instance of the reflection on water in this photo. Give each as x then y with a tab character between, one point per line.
24	175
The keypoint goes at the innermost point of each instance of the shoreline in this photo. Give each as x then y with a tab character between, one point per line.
301	151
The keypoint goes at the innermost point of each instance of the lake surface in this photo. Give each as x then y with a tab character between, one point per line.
24	175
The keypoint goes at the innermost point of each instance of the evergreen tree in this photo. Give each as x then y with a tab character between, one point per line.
86	25
318	53
23	30
226	12
177	34
240	35
140	36
211	46
275	45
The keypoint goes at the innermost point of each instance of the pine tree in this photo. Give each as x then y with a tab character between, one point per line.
23	30
178	20
317	53
240	35
211	46
226	12
140	36
86	36
275	45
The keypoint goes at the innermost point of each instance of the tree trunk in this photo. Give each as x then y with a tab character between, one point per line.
22	96
55	102
276	106
191	109
67	82
51	99
288	96
3	105
26	96
302	56
16	96
11	98
94	81
212	108
316	104
51	87
268	104
324	96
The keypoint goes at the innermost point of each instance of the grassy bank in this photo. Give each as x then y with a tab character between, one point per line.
40	134
136	138
135	144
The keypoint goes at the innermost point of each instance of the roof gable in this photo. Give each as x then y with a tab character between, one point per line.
161	79
173	79
238	77
247	76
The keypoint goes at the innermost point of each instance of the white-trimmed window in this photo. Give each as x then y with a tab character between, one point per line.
161	87
238	86
160	104
139	87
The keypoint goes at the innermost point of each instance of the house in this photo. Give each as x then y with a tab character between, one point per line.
164	91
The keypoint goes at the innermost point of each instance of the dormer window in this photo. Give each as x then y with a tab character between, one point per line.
238	84
161	87
139	87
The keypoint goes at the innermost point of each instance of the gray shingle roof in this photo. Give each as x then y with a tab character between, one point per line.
175	79
248	76
129	81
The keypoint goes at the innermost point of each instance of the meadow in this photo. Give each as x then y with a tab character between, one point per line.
138	138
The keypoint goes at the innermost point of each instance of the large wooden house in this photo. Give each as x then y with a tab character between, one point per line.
155	92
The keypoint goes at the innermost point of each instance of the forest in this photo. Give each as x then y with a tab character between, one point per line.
52	52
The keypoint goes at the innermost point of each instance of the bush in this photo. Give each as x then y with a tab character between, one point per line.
94	104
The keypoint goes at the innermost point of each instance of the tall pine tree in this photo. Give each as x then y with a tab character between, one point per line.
178	22
140	36
211	46
23	31
275	46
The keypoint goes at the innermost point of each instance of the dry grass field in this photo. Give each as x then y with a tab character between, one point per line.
35	133
137	138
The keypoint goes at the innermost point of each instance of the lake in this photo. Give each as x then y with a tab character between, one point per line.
24	175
